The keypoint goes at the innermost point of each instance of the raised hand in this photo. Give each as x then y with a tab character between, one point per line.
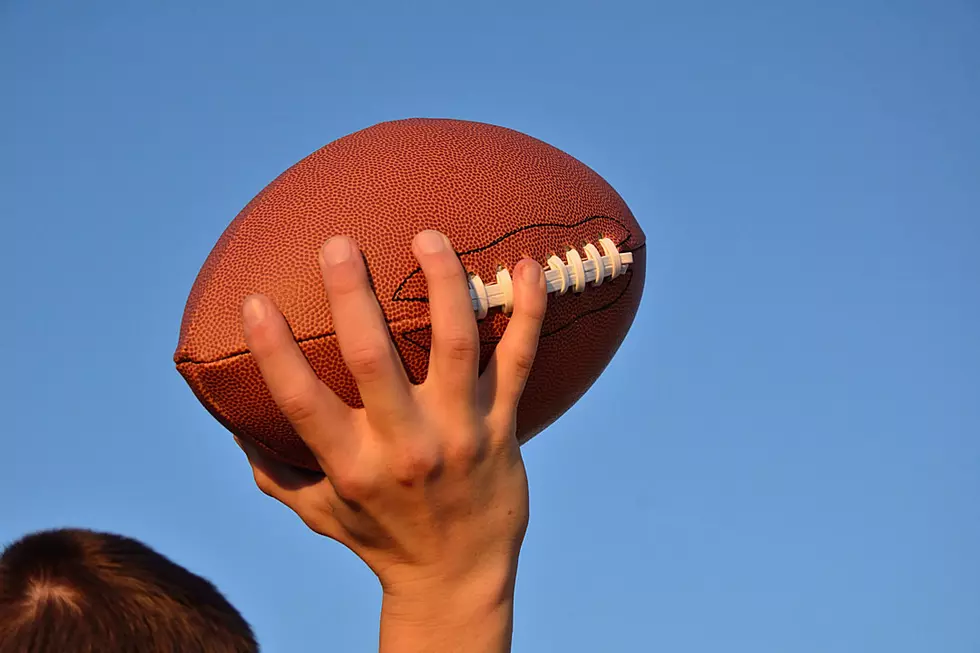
426	483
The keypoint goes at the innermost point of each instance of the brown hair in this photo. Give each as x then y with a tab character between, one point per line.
79	591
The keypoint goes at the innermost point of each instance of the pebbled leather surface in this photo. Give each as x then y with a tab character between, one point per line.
498	194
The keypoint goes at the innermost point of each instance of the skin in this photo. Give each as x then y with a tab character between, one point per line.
426	483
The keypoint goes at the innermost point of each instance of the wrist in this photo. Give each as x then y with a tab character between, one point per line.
475	615
443	600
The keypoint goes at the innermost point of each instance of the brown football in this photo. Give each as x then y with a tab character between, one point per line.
499	195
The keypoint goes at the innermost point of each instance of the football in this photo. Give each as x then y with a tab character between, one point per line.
499	195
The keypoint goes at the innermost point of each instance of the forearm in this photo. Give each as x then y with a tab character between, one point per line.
475	618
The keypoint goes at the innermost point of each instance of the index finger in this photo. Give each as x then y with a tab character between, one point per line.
317	414
362	333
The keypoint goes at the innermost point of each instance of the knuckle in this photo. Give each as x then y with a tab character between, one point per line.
321	525
462	345
262	337
265	485
534	311
354	485
366	360
465	452
417	463
344	278
522	362
531	307
502	424
450	269
445	269
299	405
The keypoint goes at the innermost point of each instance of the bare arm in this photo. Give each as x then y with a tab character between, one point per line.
472	617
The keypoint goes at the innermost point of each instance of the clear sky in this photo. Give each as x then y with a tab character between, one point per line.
785	454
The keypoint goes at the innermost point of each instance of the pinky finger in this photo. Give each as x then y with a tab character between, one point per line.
275	479
514	355
297	489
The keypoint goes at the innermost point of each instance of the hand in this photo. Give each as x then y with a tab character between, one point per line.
426	483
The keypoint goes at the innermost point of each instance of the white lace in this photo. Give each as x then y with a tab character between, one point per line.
561	276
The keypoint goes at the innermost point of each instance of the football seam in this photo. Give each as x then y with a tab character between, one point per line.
547	334
499	239
629	280
395	298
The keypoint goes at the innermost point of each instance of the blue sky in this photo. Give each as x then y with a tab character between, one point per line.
784	456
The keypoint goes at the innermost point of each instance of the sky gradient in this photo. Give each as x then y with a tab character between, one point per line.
784	455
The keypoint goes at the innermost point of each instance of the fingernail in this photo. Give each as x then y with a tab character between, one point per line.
430	242
336	250
530	272
254	310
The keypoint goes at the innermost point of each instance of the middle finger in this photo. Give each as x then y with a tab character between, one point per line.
455	356
362	333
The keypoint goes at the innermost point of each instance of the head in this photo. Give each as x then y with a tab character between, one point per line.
74	591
